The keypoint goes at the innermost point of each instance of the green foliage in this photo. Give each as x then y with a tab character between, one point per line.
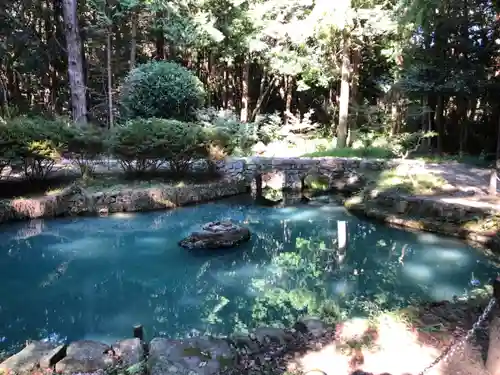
186	142
143	145
224	131
34	144
161	89
139	145
404	143
364	152
85	147
269	126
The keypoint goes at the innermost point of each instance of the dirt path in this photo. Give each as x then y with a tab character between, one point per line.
462	176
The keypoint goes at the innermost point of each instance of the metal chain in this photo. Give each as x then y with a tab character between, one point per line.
454	346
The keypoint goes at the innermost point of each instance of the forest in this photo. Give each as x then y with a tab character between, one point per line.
346	70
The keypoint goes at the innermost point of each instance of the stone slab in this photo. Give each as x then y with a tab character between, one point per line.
27	359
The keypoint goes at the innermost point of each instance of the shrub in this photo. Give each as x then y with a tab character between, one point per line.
225	133
143	145
85	147
139	145
161	89
186	143
33	143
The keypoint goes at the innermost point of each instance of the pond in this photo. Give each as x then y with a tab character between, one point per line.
94	278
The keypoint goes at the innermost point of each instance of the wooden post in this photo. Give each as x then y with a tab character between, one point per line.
342	235
139	332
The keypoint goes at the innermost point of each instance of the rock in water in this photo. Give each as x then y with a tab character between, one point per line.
216	235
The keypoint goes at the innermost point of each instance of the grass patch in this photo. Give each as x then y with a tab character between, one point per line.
405	182
368	152
472	160
99	183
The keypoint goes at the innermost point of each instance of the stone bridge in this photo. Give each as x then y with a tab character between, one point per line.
292	173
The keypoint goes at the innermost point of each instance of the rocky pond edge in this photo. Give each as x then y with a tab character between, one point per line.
204	355
74	200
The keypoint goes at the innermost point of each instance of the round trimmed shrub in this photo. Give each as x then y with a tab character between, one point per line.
161	89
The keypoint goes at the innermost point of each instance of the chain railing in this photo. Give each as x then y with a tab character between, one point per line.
459	344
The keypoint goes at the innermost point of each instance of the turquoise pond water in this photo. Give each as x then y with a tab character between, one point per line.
94	278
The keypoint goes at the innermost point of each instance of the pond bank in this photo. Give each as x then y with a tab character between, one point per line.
310	346
75	200
472	218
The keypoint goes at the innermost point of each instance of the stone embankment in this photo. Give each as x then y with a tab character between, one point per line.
472	218
202	355
75	200
238	175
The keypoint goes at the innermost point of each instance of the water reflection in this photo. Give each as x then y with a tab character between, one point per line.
97	277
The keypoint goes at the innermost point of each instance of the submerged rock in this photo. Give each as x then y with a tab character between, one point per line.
216	235
348	182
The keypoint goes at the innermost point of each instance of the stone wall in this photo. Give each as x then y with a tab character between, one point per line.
450	216
290	173
74	200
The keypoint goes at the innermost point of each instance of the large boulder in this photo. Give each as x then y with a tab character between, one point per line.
86	356
216	235
195	356
37	354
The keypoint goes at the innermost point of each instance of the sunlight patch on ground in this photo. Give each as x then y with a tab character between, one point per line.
395	350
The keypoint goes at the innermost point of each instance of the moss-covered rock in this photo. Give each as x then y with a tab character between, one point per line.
316	181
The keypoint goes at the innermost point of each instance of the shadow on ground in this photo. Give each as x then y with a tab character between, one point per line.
400	343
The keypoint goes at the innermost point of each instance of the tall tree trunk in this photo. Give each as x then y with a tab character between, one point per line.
264	92
343	125
110	81
439	121
75	62
289	96
133	38
245	92
160	38
356	66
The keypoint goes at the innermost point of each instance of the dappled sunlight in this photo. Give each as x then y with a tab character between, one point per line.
398	350
418	272
436	254
442	291
123	215
89	247
290	267
151	241
343	287
386	345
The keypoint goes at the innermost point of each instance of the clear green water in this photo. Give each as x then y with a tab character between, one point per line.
94	278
